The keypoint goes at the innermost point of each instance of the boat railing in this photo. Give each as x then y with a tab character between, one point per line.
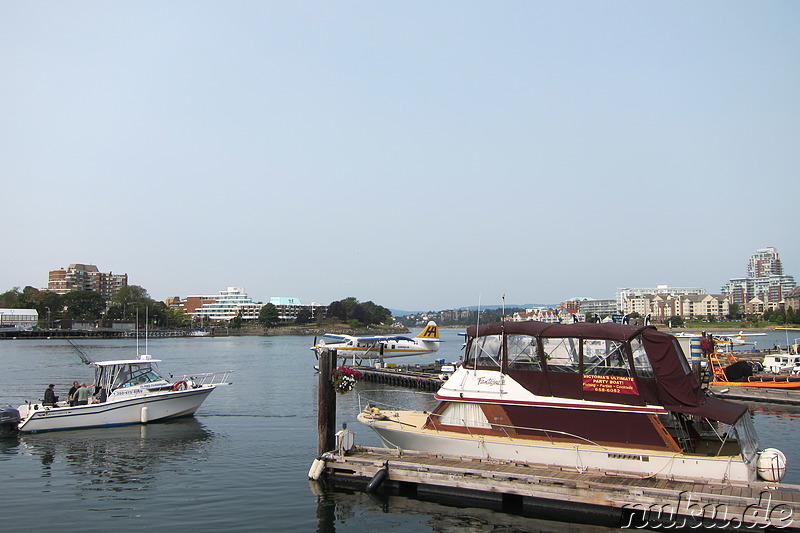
208	378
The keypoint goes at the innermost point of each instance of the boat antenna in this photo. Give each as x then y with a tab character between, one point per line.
146	321
137	332
84	357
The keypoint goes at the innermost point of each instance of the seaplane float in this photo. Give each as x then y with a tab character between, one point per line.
610	398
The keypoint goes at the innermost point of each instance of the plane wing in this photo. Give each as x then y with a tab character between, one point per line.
384	338
334	336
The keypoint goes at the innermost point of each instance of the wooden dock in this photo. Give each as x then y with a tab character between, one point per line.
403	377
551	493
753	394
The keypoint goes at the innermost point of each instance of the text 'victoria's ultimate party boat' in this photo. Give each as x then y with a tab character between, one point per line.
130	391
605	397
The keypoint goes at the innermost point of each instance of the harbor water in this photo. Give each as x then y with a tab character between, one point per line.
241	463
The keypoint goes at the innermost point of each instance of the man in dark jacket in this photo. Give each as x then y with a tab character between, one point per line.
50	397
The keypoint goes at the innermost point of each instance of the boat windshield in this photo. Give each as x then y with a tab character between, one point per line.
128	375
745	433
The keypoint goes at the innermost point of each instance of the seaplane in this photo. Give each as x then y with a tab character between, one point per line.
379	347
732	339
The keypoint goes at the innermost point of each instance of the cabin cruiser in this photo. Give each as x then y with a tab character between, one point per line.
129	391
607	398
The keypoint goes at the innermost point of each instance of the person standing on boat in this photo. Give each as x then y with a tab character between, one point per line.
82	395
50	397
71	394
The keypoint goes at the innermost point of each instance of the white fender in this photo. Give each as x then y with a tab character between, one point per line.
144	417
316	469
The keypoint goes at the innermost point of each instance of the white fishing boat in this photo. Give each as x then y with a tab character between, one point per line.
129	391
603	398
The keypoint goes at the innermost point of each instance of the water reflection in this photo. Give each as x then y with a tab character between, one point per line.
126	458
370	512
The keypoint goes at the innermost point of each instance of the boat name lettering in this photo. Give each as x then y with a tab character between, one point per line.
613	384
490	381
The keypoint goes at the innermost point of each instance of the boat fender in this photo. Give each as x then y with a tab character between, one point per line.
180	385
317	467
379	477
771	465
144	416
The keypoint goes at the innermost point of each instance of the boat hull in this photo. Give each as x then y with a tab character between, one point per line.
135	410
404	430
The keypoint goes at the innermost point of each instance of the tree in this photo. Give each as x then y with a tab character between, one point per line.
303	316
133	303
676	321
268	316
84	305
10	299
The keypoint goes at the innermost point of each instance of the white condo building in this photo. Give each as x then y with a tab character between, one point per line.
227	305
765	280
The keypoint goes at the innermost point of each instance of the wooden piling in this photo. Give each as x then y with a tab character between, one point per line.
326	403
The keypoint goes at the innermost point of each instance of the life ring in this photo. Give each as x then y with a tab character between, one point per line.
180	385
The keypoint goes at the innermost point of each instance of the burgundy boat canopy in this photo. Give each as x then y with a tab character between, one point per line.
677	387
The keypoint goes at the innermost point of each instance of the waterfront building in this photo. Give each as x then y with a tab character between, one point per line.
289	308
631	292
227	305
18	318
662	306
792	300
81	277
765	280
602	308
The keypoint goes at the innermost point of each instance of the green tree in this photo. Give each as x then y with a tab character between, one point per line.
676	321
268	316
10	299
303	316
84	305
236	322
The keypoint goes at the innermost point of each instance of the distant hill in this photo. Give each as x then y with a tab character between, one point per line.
400	312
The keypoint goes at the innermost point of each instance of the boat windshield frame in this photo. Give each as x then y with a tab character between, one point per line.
124	374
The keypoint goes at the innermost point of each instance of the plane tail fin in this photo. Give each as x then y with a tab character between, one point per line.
430	333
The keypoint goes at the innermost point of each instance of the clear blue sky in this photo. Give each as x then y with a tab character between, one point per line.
422	155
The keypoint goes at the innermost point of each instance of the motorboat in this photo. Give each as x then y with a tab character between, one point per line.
131	391
603	398
784	362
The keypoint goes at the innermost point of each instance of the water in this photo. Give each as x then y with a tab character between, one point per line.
241	463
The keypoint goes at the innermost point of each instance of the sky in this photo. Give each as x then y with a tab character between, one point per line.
423	155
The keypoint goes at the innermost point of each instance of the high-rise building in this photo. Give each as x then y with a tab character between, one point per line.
80	277
765	280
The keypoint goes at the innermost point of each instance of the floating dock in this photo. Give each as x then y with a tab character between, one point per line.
552	493
403	377
754	394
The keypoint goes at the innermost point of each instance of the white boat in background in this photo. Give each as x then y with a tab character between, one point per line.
608	398
129	391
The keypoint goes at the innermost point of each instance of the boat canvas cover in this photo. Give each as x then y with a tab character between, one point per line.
677	386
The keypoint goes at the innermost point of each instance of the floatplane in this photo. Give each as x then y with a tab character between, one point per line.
379	347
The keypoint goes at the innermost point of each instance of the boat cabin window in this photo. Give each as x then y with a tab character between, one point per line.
522	352
562	354
464	415
605	358
641	361
135	374
485	351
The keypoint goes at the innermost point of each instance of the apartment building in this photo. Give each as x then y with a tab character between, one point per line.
227	305
81	277
765	280
662	306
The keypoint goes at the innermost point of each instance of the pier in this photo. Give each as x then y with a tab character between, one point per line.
404	377
546	492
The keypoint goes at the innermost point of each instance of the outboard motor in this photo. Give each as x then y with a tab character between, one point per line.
9	419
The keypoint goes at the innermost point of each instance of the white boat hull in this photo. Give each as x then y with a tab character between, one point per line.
137	409
581	457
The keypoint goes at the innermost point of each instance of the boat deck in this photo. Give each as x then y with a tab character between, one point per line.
549	492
